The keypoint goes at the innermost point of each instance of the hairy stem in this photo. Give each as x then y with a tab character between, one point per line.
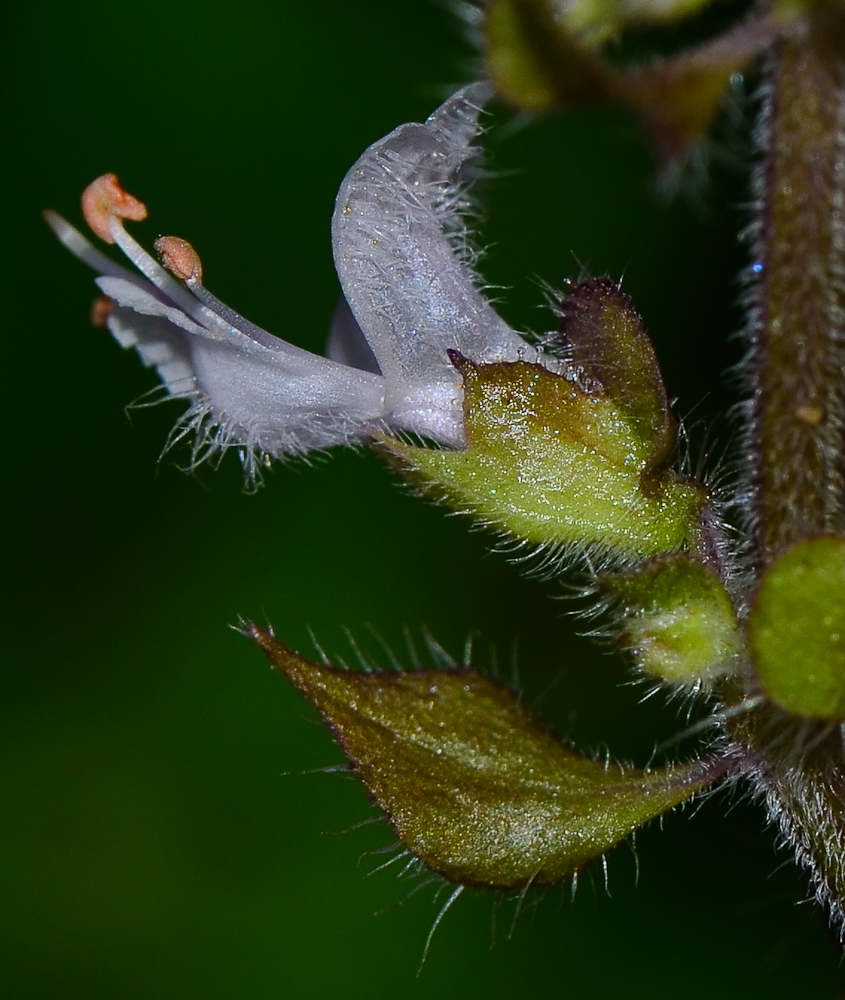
796	433
796	445
799	766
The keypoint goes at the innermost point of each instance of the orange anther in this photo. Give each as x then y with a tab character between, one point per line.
101	309
104	198
179	257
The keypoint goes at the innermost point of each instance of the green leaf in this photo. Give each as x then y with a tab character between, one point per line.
472	781
797	629
680	624
552	464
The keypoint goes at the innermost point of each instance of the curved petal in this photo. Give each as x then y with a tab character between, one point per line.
400	250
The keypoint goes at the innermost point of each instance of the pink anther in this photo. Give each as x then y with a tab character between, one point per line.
101	309
179	257
103	199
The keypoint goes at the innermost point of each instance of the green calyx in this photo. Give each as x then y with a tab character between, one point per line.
797	629
554	465
679	623
472	781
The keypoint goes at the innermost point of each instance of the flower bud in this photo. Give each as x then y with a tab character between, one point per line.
678	620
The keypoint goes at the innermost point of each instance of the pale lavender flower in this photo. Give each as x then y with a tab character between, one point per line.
401	249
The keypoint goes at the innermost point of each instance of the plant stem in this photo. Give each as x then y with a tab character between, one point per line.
798	765
796	434
796	445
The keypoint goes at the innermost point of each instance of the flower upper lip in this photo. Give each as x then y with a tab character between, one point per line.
400	249
410	295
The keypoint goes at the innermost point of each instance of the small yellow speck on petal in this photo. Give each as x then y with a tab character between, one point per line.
809	414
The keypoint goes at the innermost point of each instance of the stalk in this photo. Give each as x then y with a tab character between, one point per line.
798	766
796	453
796	434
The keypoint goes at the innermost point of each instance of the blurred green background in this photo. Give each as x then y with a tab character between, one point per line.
152	844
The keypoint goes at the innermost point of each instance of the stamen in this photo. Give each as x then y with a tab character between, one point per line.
176	292
214	317
101	309
234	319
179	257
103	199
85	251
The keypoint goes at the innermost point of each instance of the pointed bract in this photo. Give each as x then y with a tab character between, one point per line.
472	781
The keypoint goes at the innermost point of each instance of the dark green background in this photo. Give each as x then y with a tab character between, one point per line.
152	847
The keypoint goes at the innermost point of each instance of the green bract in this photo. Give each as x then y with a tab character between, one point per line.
797	629
472	781
608	347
